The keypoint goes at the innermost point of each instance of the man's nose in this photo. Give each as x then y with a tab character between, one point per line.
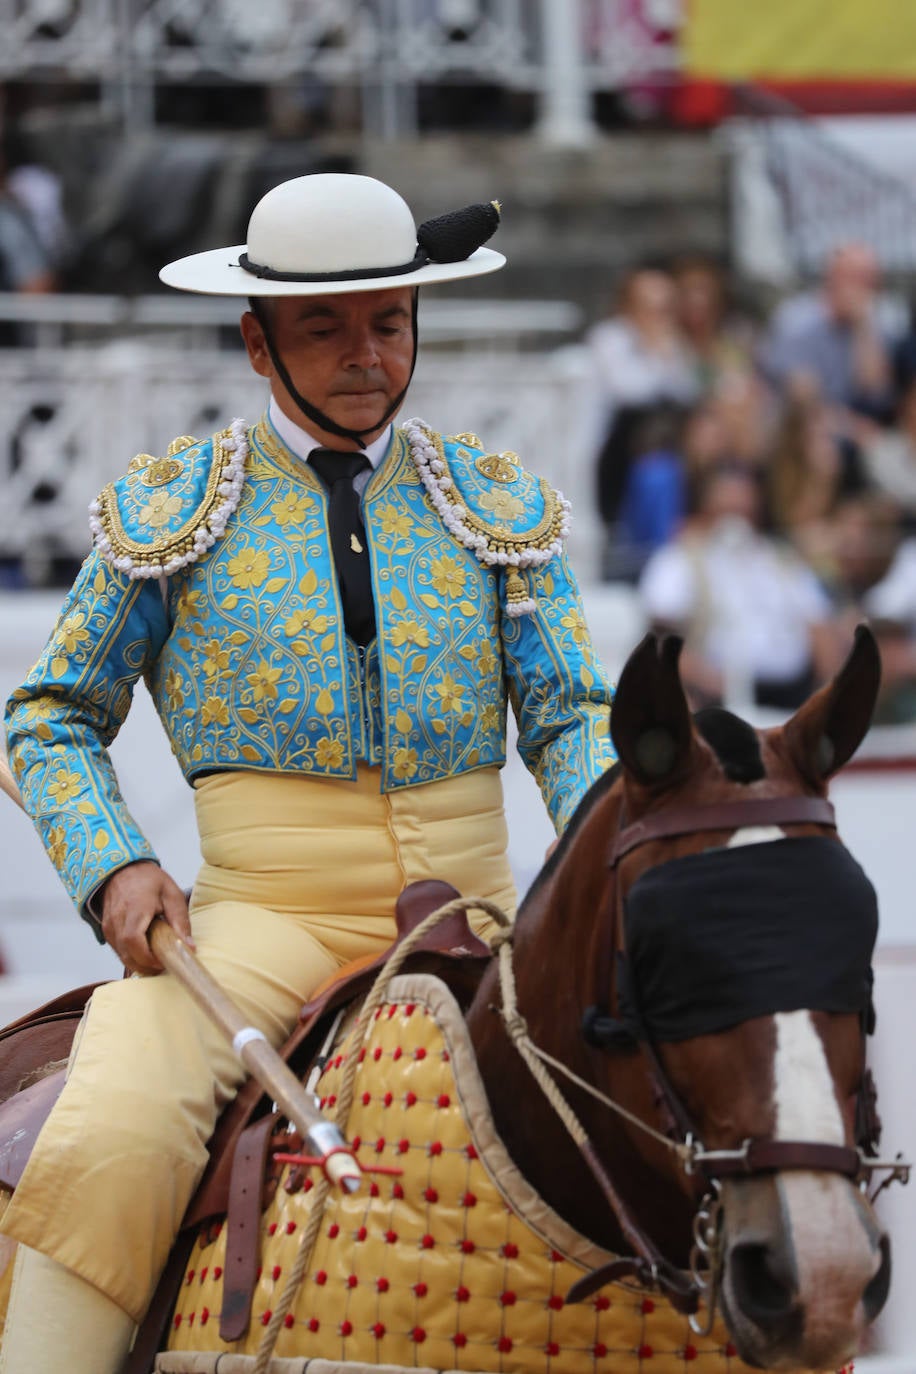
362	349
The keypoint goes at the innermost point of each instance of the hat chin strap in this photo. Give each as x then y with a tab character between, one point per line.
311	412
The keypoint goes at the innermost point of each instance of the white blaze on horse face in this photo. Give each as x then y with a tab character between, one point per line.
755	834
804	1098
820	1225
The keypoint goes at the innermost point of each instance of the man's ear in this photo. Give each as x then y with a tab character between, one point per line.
256	344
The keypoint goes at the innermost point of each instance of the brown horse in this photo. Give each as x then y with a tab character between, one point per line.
697	953
648	960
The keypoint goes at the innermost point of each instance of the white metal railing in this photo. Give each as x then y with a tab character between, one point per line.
798	193
383	48
48	321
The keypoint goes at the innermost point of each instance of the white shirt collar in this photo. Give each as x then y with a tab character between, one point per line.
300	442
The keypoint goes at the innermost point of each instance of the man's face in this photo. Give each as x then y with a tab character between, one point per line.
349	355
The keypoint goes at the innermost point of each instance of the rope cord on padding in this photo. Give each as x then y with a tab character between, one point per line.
345	1101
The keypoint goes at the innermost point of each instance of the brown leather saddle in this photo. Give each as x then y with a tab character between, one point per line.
45	1036
239	1145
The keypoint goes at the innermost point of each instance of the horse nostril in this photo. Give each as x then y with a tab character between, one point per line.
763	1284
875	1295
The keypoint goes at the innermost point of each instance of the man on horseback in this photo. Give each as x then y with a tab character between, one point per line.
330	613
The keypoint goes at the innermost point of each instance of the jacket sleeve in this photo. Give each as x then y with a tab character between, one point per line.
60	722
560	693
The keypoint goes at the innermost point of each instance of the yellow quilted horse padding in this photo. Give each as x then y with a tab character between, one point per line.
456	1265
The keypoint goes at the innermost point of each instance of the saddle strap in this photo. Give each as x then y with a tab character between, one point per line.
242	1224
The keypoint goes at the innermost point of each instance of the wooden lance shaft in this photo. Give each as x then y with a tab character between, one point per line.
257	1055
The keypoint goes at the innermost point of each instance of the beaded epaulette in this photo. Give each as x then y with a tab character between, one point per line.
165	512
505	515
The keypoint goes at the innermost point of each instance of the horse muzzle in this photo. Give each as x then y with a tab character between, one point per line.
806	1269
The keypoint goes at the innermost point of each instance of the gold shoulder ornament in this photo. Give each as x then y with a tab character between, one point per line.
493	545
170	549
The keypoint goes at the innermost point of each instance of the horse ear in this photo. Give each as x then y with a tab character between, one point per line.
650	719
827	730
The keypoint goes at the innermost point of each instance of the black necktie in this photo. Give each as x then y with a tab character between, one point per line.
348	538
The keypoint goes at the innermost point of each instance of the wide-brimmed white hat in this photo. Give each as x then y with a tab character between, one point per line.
333	232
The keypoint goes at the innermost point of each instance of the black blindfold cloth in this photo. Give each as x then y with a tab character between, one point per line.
717	938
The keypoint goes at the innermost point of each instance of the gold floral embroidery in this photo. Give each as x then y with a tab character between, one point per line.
214	711
57	846
409	632
36	712
486	659
489	717
502	504
306	619
291	509
394	523
450	693
159	509
249	567
190	602
64	787
264	681
215	658
448	576
575	623
329	753
71	632
404	763
174	690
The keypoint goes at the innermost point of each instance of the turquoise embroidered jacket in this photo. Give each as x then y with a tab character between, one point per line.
242	646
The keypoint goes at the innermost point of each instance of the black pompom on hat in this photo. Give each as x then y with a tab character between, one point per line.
455	236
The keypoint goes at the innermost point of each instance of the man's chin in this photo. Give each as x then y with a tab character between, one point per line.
359	413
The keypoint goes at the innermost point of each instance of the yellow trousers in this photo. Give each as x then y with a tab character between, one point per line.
299	876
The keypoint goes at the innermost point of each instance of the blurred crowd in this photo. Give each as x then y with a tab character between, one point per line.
756	477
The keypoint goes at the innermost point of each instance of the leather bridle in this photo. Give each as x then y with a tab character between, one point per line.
754	1157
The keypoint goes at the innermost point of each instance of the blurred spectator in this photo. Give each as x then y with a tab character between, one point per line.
38	190
639	362
889	456
841	335
891	604
805	477
640	355
721	343
654	494
25	265
756	622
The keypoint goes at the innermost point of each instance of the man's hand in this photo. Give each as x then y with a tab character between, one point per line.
130	899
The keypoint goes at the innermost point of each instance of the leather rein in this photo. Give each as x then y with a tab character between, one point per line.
647	1266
